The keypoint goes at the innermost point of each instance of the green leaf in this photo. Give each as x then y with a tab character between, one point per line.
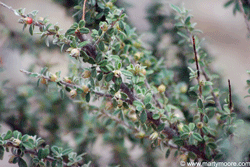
186	128
205	118
148	98
212	145
161	127
101	46
33	75
228	3
143	116
218	157
124	96
184	135
148	106
70	31
82	44
191	126
167	153
27	145
156	116
176	8
109	77
192	155
187	21
103	63
127	73
1	152
31	29
81	23
67	151
87	97
8	135
100	76
199	103
84	30
137	103
22	163
179	142
197	137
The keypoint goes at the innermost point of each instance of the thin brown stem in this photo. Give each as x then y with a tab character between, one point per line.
84	10
197	67
230	106
245	16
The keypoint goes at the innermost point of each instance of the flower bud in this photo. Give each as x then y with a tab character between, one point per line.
16	142
53	78
137	45
162	88
140	135
109	5
183	88
119	103
199	125
85	88
154	136
75	53
138	55
180	126
66	79
147	63
143	71
104	27
118	95
86	74
133	117
117	73
43	81
73	93
137	69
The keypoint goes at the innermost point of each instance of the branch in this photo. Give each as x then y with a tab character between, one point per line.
10	8
83	10
32	152
230	106
245	16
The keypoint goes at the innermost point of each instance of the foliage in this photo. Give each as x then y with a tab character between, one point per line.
141	99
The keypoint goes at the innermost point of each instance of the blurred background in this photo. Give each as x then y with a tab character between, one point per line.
225	34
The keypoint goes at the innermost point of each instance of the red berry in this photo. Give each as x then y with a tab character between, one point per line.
29	20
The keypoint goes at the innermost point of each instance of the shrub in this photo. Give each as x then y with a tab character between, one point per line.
141	99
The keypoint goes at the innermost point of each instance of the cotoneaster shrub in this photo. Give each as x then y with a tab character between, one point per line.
142	96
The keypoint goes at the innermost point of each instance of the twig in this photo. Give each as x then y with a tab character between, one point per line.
197	67
68	84
32	152
83	10
120	122
245	16
230	106
111	26
216	99
10	8
154	96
